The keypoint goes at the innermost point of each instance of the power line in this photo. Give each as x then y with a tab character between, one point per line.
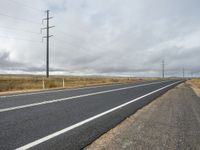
76	46
67	43
7	37
74	37
21	19
63	47
25	5
15	29
70	35
72	45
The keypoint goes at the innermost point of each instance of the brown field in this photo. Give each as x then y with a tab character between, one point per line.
34	82
195	83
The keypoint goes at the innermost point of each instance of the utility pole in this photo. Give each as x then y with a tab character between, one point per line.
47	38
183	73
163	68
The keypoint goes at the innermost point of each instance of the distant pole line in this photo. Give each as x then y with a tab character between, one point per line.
47	40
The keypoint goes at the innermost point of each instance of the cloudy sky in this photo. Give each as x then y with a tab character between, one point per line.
101	37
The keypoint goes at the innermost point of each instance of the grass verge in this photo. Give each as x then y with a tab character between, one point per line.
195	84
33	82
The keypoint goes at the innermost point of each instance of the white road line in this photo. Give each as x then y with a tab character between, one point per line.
55	91
74	97
46	138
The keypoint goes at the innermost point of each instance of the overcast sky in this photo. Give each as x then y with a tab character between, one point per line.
101	37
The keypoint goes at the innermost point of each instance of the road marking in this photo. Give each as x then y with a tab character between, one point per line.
74	97
55	134
61	90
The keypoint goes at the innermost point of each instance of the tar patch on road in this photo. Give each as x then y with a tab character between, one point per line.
170	122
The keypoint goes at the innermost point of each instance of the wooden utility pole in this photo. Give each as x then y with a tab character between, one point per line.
47	42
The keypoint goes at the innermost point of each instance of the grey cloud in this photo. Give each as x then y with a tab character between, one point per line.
105	37
6	62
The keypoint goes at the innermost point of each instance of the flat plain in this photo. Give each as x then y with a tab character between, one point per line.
35	82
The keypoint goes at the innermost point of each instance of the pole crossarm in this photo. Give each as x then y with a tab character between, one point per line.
45	28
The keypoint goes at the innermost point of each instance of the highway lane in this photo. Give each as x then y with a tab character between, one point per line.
37	97
23	126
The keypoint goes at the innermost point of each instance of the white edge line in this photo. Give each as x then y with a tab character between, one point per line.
46	138
60	90
74	97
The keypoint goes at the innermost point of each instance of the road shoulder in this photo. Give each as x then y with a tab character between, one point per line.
169	122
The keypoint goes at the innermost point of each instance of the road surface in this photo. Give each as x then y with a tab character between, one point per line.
71	118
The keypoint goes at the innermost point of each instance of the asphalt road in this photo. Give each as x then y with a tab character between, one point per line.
71	118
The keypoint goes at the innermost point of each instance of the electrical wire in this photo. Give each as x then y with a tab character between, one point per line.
25	5
22	30
16	38
82	40
21	19
69	35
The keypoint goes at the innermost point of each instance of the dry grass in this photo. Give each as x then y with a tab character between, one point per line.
31	82
195	83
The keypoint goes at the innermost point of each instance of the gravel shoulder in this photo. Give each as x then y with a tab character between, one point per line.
169	122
